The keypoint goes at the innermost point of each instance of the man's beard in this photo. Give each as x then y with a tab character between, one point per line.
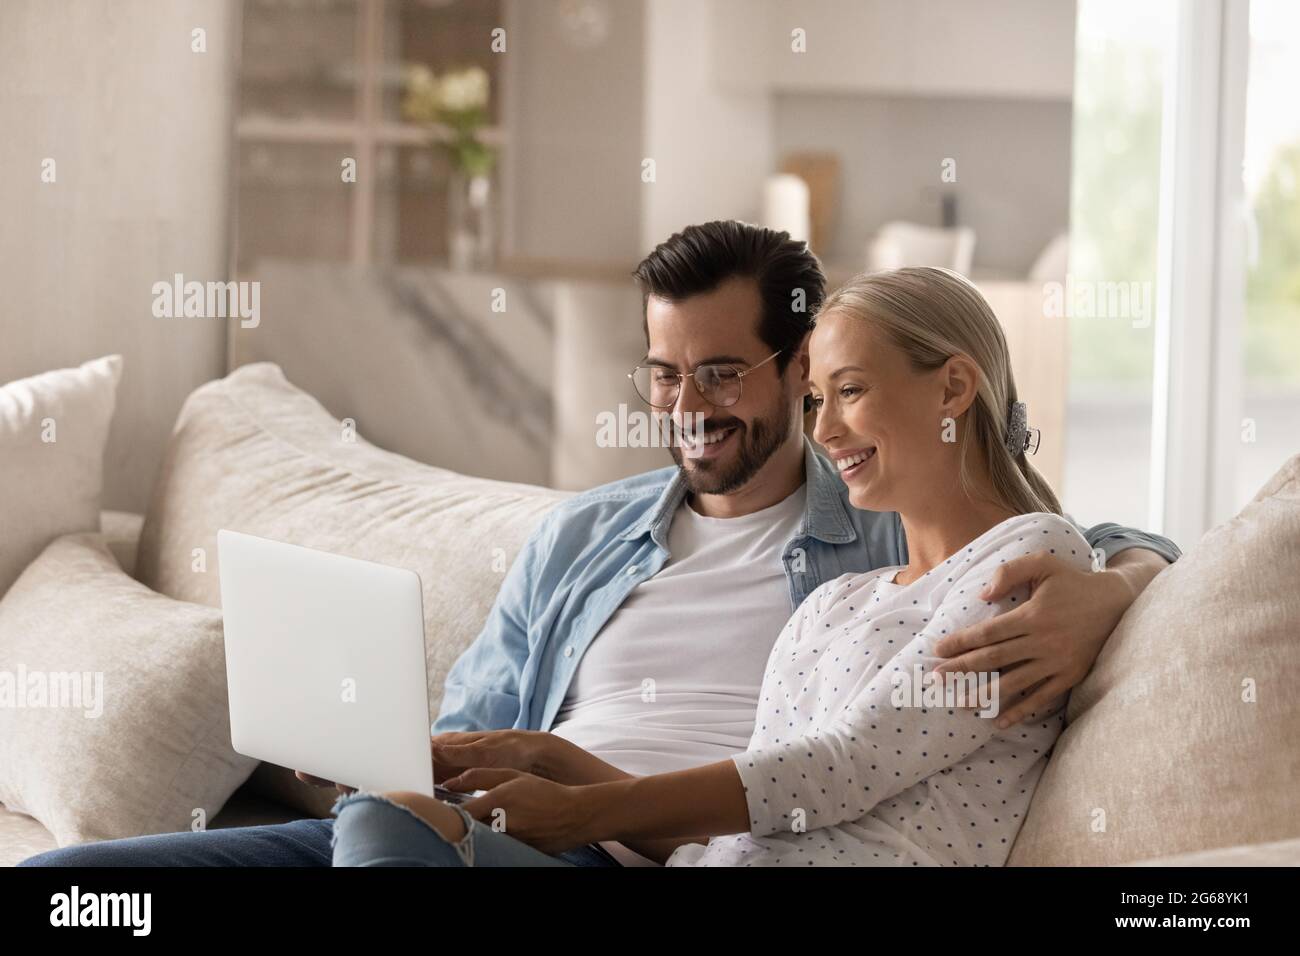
758	441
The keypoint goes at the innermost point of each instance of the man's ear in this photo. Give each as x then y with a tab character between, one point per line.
803	363
960	378
801	357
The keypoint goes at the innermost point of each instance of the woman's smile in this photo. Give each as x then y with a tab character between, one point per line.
853	462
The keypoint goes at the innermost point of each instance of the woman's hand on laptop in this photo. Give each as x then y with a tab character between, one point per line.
549	816
322	782
536	752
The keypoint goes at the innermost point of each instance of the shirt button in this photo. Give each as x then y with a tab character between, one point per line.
568	651
632	569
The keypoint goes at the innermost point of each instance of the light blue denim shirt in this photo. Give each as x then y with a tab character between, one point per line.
591	550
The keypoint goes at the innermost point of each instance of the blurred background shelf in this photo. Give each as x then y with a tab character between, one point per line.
321	82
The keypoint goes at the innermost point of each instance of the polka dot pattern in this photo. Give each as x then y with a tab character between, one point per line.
850	764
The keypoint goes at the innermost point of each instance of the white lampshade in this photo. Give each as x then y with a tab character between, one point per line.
786	204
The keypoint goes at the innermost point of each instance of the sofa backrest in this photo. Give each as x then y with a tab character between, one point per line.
1186	735
252	453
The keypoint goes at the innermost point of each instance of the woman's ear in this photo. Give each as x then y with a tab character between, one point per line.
961	384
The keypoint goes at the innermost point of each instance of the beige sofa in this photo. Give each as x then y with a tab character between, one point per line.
1183	745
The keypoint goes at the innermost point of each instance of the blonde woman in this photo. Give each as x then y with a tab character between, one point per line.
852	762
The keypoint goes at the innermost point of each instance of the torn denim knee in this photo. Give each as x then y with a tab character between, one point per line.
464	847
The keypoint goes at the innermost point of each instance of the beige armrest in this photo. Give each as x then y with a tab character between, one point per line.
121	530
1281	853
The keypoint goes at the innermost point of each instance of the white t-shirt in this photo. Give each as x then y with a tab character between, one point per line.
672	679
842	770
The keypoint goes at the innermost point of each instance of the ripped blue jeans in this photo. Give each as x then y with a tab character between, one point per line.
371	830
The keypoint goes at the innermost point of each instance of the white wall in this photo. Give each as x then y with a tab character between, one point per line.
961	48
1011	163
138	126
893	88
582	120
574	115
712	146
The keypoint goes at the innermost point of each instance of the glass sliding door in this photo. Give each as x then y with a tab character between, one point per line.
1269	422
1122	49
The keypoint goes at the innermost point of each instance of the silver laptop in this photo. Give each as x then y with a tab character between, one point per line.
325	664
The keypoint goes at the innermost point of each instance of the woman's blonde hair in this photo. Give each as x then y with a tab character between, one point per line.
932	315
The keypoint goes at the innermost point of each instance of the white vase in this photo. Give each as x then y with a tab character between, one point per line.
471	225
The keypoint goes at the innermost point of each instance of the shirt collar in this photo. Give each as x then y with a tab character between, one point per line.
825	516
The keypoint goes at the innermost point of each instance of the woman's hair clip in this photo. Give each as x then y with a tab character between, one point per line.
1021	438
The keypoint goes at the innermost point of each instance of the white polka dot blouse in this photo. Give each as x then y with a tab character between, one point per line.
857	759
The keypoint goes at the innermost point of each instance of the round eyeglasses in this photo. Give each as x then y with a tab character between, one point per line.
719	384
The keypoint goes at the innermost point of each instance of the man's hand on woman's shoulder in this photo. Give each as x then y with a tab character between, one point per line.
1048	644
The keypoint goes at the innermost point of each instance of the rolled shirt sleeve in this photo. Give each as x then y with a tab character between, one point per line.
1114	539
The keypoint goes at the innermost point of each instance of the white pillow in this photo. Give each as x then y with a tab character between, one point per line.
140	746
53	427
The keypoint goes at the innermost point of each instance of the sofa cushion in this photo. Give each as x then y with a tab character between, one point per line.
1277	853
252	453
121	531
1186	735
113	712
22	836
53	427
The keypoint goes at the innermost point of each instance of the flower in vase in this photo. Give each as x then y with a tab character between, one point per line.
458	102
465	91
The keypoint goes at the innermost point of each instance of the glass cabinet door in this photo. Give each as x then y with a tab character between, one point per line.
330	165
298	60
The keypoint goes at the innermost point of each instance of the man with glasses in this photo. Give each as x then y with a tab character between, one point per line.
637	622
659	386
632	632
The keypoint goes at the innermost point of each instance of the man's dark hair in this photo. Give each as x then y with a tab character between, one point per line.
700	258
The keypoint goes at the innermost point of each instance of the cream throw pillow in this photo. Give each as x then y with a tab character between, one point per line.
252	453
1186	735
140	737
52	487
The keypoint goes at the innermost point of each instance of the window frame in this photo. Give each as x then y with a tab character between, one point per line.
1200	280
